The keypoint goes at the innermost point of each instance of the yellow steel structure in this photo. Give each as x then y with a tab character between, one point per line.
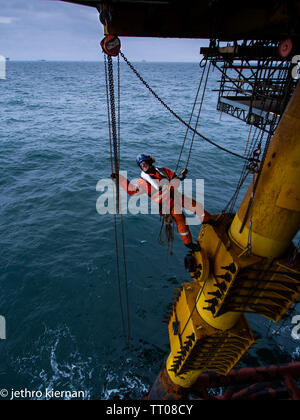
195	344
244	264
245	261
276	204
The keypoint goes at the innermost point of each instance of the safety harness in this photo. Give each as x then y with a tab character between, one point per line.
161	197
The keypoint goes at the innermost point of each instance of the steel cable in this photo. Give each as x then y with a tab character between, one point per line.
175	114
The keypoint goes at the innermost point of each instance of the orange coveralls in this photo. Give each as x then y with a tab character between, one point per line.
176	200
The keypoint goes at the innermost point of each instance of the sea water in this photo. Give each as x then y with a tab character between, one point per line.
59	290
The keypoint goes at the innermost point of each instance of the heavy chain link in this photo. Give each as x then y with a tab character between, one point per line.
114	142
114	130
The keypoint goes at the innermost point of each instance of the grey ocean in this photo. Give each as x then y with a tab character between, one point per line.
58	278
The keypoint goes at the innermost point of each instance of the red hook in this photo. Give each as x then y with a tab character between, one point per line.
111	45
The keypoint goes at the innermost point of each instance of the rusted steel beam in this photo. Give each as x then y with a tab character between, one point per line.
248	375
251	390
292	387
269	394
164	389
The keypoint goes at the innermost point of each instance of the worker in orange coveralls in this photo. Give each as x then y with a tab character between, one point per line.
168	198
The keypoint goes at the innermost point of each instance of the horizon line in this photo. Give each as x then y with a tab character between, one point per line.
95	61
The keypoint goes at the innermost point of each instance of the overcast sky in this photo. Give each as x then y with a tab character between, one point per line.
54	30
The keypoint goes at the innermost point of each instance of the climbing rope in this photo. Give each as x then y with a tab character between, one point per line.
175	114
198	117
191	116
249	242
167	223
167	220
188	125
253	164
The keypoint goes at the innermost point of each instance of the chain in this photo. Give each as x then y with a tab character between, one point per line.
174	113
249	244
114	142
114	127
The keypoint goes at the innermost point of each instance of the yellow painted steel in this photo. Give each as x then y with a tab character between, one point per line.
260	245
205	324
276	208
226	260
105	26
222	322
185	381
268	289
202	270
265	286
196	346
244	263
289	197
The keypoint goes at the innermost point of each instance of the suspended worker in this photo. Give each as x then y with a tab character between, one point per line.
161	185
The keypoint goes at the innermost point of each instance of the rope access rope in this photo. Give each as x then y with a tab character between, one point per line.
175	114
191	116
199	113
167	223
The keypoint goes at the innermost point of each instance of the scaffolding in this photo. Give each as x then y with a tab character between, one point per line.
256	81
